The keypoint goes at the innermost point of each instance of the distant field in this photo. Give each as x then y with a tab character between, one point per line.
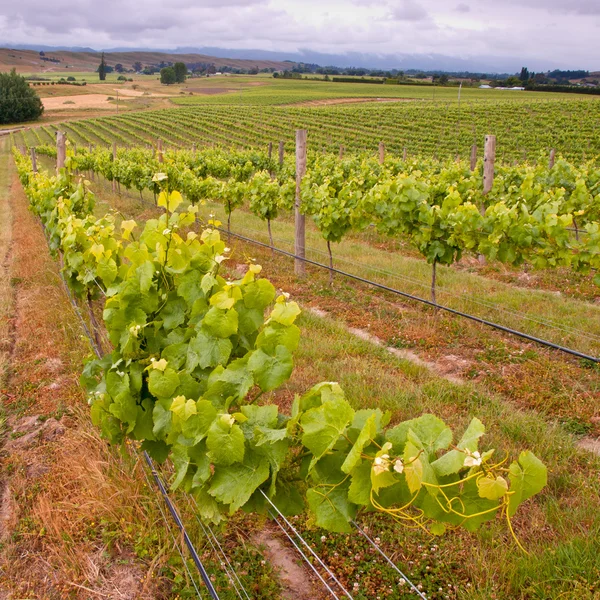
442	128
269	91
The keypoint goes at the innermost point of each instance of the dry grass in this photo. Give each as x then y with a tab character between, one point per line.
74	513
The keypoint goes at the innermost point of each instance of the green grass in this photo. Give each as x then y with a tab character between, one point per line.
560	528
540	313
290	91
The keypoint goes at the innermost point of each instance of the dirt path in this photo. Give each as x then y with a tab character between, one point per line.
83	101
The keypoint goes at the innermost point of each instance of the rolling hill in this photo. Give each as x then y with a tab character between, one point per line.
29	61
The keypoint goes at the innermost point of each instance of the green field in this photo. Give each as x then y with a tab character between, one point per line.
442	129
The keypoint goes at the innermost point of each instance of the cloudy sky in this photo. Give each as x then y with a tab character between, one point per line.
540	33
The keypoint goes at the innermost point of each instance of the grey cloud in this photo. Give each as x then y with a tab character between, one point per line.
462	8
577	7
408	10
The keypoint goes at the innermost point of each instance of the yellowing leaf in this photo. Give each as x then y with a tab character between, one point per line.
128	226
97	250
175	199
159	365
162	200
492	489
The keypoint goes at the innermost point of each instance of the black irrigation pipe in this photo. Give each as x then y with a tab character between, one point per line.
386	288
186	539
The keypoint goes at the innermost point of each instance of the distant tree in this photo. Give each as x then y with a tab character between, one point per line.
512	81
253	71
119	68
524	76
42	53
180	72
70	78
102	69
18	101
137	66
168	76
276	75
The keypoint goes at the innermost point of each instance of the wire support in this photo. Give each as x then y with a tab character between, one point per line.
182	529
389	560
307	545
426	286
301	552
453	311
175	543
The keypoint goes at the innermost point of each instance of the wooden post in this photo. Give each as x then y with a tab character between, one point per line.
381	153
281	151
61	149
270	150
473	157
114	181
404	154
489	158
159	148
300	240
341	152
552	156
33	160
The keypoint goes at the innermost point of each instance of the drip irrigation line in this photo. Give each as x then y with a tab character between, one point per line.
389	560
306	545
168	527
442	289
210	535
293	542
453	311
181	527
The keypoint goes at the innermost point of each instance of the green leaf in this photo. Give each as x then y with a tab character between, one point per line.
162	417
324	425
331	507
145	274
432	432
221	323
163	384
360	486
364	439
453	461
175	354
259	294
196	426
235	484
528	476
207	351
275	335
271	371
159	451
181	462
226	443
173	314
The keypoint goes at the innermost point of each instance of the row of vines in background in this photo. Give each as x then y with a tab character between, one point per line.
444	130
196	352
547	216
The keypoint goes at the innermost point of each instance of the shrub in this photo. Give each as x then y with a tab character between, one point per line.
18	101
